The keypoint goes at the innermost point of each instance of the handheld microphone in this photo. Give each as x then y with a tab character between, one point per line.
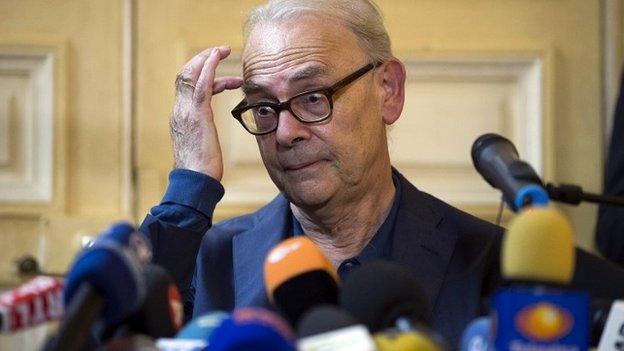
327	327
384	295
252	329
389	301
104	285
538	255
298	276
539	247
613	335
477	336
35	302
498	162
411	340
161	315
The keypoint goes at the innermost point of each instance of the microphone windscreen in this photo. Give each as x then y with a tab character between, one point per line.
477	335
252	329
379	293
161	314
324	318
404	341
113	267
298	276
538	247
202	326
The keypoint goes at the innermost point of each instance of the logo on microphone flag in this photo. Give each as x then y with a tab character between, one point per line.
544	320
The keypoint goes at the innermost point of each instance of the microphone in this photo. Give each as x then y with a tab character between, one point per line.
252	329
298	276
35	302
104	285
477	335
498	162
396	340
161	315
195	335
389	301
327	327
539	247
613	335
538	256
384	295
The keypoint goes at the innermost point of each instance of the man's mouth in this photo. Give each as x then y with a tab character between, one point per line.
300	165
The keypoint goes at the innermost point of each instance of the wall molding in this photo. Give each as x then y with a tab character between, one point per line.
32	90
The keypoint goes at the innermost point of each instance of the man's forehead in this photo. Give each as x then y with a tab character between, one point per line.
276	46
290	77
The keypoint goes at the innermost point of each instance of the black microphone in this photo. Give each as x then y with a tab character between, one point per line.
390	302
161	315
327	327
382	294
498	162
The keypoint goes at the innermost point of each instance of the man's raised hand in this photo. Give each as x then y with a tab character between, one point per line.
193	132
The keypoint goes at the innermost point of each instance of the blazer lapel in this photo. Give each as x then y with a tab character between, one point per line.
251	247
418	243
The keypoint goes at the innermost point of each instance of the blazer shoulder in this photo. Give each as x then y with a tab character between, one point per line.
462	222
223	232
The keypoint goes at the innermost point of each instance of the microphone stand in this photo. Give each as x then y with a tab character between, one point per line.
574	195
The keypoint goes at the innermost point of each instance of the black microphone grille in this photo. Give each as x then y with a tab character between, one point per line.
484	141
379	293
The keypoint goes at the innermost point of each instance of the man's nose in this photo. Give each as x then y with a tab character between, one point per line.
290	130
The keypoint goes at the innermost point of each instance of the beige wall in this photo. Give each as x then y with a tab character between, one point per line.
91	152
568	31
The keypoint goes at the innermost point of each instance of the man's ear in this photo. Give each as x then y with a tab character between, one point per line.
393	89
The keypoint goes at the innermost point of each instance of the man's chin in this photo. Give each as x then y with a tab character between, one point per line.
307	194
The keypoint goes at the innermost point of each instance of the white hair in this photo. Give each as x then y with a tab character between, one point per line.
362	17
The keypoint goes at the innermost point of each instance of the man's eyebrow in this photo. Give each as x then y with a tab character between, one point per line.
308	72
251	87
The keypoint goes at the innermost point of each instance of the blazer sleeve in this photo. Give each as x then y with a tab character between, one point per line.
177	226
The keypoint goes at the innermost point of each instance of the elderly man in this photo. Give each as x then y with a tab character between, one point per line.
321	85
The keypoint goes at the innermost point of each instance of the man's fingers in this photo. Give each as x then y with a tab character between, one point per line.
192	69
223	83
204	87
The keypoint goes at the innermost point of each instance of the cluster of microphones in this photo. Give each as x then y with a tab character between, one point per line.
114	298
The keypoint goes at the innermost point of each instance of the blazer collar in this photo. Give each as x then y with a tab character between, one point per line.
250	247
418	244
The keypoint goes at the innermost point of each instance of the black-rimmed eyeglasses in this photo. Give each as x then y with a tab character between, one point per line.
308	107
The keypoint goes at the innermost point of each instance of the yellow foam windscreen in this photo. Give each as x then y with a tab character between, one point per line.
404	341
539	247
293	257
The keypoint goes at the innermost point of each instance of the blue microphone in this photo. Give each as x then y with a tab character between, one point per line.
104	285
252	329
477	335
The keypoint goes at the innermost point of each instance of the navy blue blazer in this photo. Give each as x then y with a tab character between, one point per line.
453	255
